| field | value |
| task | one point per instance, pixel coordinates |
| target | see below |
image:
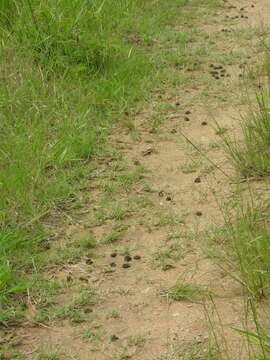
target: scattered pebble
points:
(186, 118)
(169, 198)
(177, 103)
(126, 265)
(137, 257)
(204, 123)
(197, 180)
(113, 254)
(198, 213)
(128, 258)
(188, 112)
(112, 264)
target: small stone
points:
(112, 264)
(137, 257)
(126, 266)
(113, 254)
(186, 118)
(188, 112)
(114, 338)
(197, 180)
(204, 123)
(127, 258)
(88, 310)
(198, 213)
(169, 198)
(177, 103)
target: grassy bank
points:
(69, 70)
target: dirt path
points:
(152, 202)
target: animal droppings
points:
(126, 266)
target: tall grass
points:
(250, 154)
(68, 70)
(244, 251)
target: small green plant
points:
(112, 237)
(137, 340)
(114, 314)
(48, 354)
(184, 291)
(92, 335)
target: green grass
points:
(244, 251)
(69, 71)
(183, 290)
(250, 154)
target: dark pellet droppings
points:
(188, 112)
(112, 264)
(125, 266)
(198, 213)
(177, 103)
(113, 254)
(186, 118)
(197, 180)
(169, 198)
(114, 338)
(137, 257)
(89, 261)
(88, 310)
(173, 131)
(204, 123)
(127, 258)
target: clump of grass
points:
(251, 154)
(246, 253)
(257, 339)
(184, 291)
